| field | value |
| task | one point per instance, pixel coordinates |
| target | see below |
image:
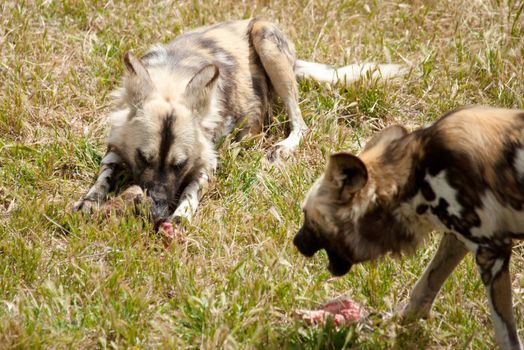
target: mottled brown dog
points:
(179, 99)
(463, 175)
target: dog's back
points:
(469, 172)
(243, 87)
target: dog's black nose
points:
(306, 242)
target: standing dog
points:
(463, 175)
(179, 99)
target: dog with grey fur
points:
(463, 175)
(179, 99)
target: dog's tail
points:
(347, 74)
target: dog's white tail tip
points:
(347, 74)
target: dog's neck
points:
(392, 174)
(392, 166)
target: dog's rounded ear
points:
(199, 90)
(138, 82)
(347, 173)
(386, 136)
(135, 67)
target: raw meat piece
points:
(341, 311)
(170, 234)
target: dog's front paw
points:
(85, 206)
(183, 213)
(409, 312)
(279, 151)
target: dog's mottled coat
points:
(179, 99)
(463, 175)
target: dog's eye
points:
(179, 166)
(141, 159)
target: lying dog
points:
(463, 175)
(179, 99)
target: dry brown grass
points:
(66, 281)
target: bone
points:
(131, 197)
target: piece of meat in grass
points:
(341, 311)
(170, 233)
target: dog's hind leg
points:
(493, 265)
(278, 57)
(449, 254)
(109, 166)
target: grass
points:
(68, 281)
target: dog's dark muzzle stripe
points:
(306, 242)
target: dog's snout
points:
(157, 193)
(159, 202)
(159, 212)
(306, 242)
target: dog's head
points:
(158, 134)
(342, 210)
